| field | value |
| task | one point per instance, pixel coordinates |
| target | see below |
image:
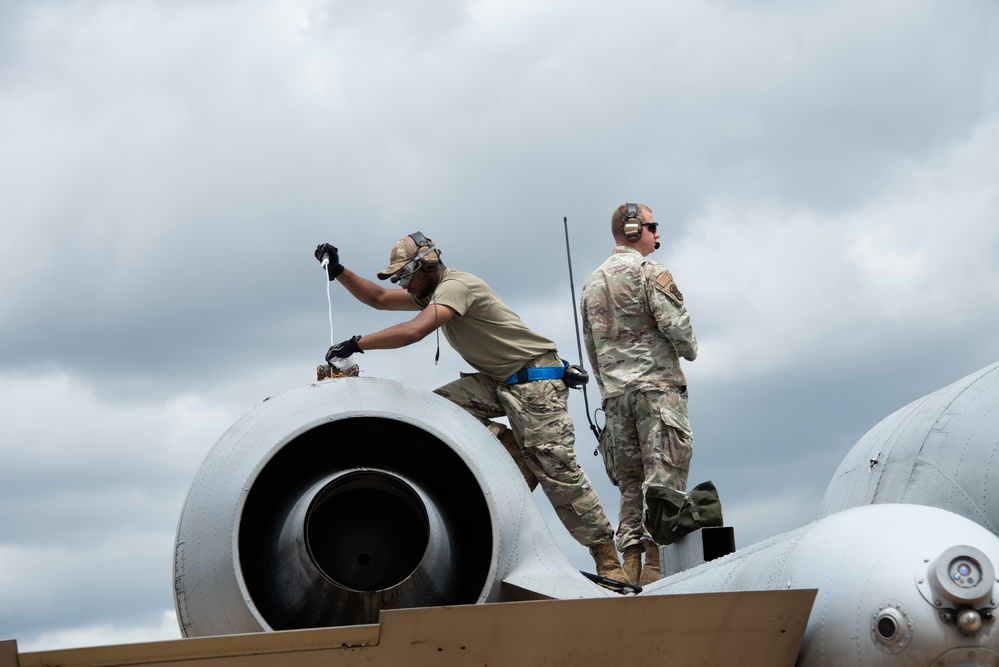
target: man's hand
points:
(333, 267)
(343, 350)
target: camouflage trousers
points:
(539, 419)
(645, 442)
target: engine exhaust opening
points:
(333, 529)
(367, 530)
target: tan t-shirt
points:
(484, 331)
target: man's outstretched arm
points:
(398, 335)
(372, 294)
(367, 292)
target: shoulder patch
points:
(664, 283)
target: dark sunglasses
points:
(653, 226)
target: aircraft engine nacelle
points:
(333, 501)
(898, 585)
(939, 450)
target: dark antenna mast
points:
(575, 321)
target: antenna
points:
(575, 321)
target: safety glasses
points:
(404, 278)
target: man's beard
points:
(427, 290)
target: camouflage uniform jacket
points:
(635, 325)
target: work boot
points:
(510, 444)
(650, 571)
(605, 556)
(633, 562)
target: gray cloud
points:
(824, 174)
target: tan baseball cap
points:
(401, 254)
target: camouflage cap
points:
(402, 253)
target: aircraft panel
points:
(750, 629)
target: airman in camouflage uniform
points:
(493, 340)
(636, 328)
(540, 425)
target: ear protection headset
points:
(424, 247)
(632, 225)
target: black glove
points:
(334, 268)
(343, 350)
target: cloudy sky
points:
(825, 173)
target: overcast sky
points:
(825, 174)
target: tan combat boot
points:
(605, 556)
(650, 571)
(633, 562)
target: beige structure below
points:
(749, 629)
